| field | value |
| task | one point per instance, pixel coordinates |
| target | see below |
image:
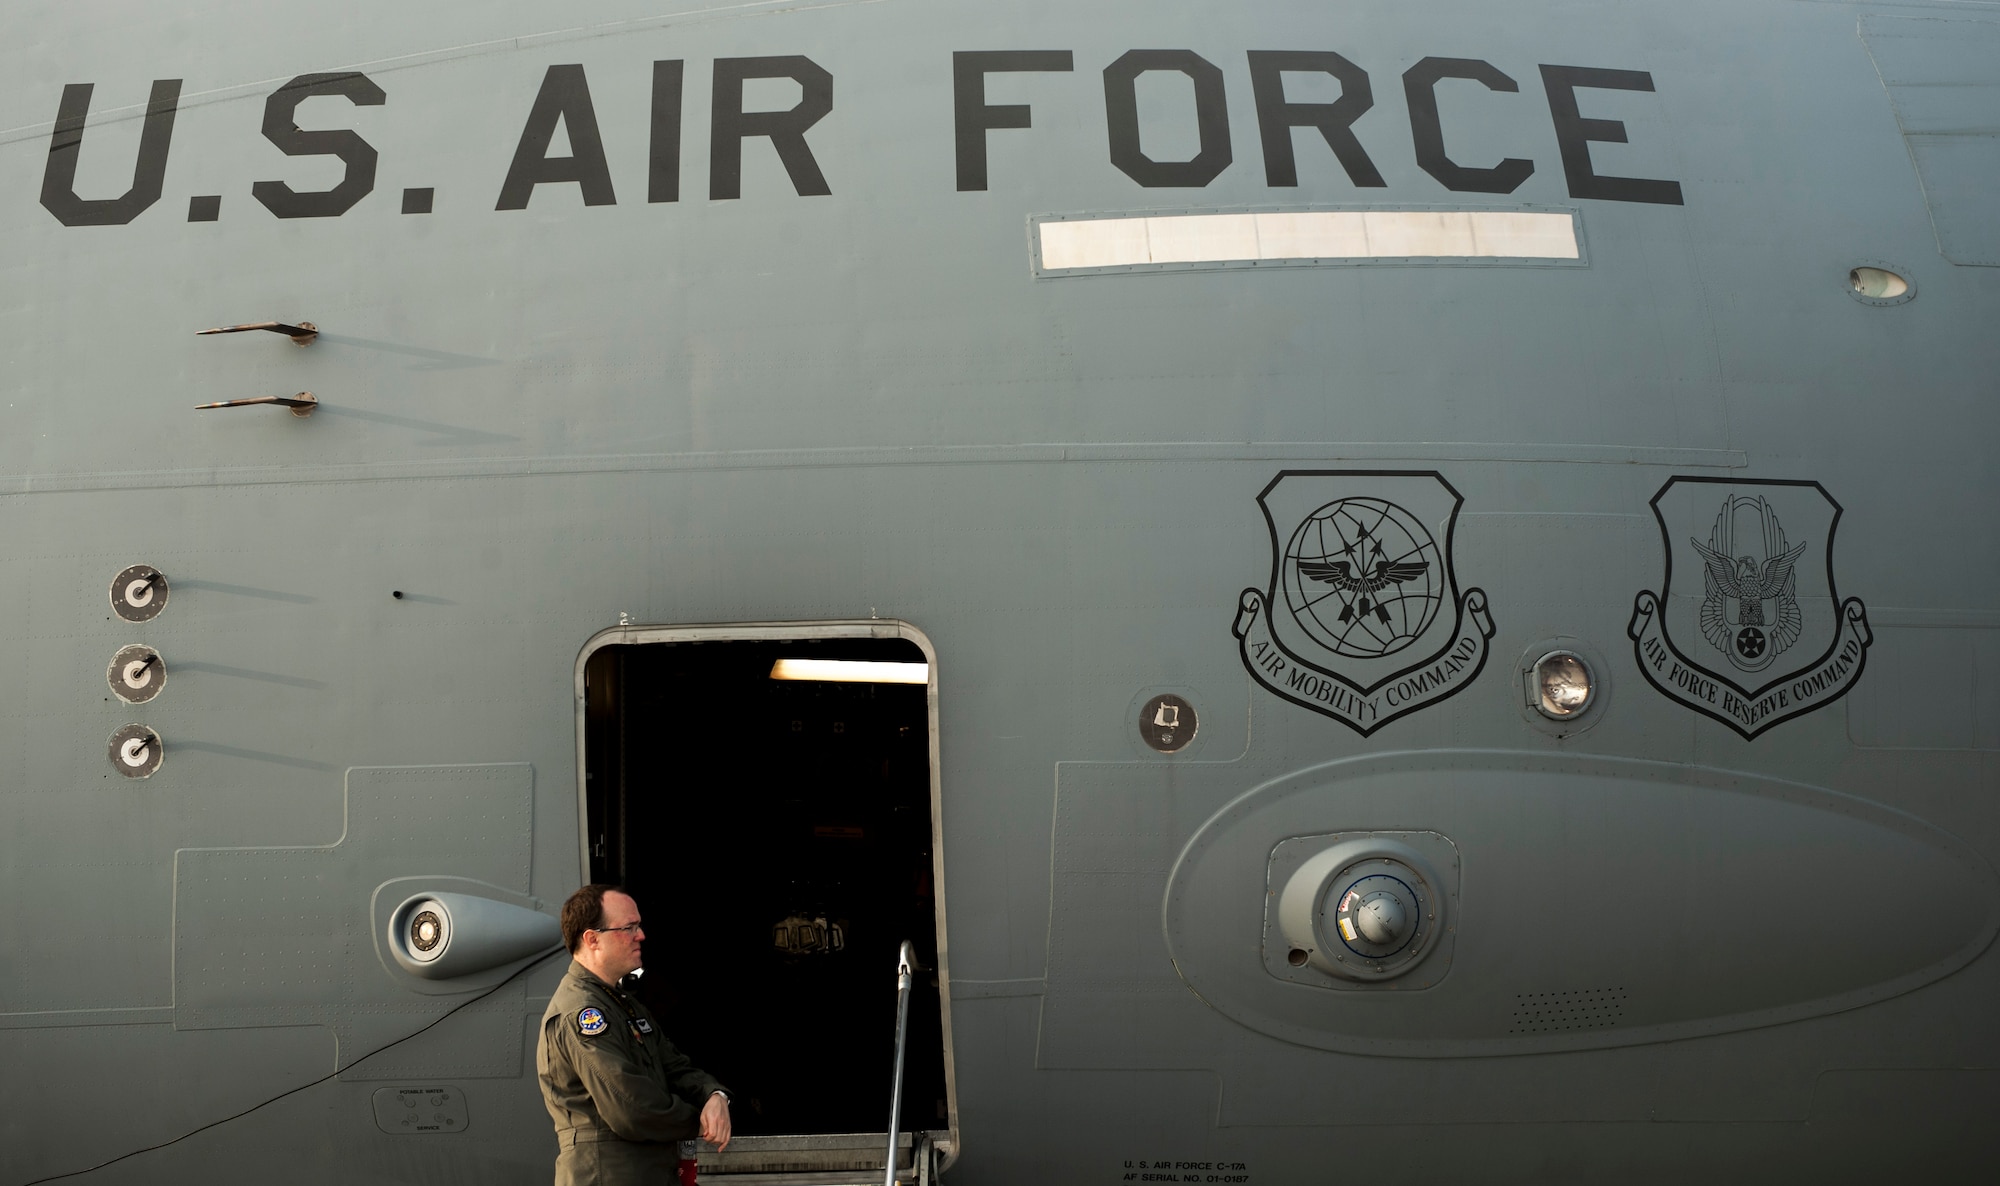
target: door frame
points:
(633, 634)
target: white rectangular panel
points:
(1321, 234)
(1199, 238)
(1099, 243)
(1408, 234)
(1309, 236)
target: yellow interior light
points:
(850, 671)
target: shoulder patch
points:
(590, 1022)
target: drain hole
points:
(1575, 1009)
(1297, 957)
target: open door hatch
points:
(778, 826)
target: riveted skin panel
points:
(285, 936)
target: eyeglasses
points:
(630, 927)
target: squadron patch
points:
(1363, 620)
(590, 1022)
(1761, 636)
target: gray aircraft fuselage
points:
(1241, 408)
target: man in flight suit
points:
(621, 1095)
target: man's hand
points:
(715, 1121)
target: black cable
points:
(337, 1072)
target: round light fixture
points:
(426, 930)
(1562, 685)
(1875, 282)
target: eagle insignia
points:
(1366, 575)
(1363, 621)
(1767, 638)
(1750, 607)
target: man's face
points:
(618, 946)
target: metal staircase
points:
(892, 1158)
(834, 1159)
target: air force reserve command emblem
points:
(1363, 620)
(1746, 627)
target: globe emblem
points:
(1363, 578)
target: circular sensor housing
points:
(1362, 910)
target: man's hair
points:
(583, 911)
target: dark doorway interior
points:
(777, 836)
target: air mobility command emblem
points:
(590, 1022)
(1363, 620)
(1747, 627)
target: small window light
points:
(1881, 283)
(1562, 685)
(1877, 284)
(847, 671)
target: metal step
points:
(824, 1159)
(828, 1178)
(922, 1175)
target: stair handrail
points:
(906, 962)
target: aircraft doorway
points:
(779, 835)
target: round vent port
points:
(136, 751)
(139, 593)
